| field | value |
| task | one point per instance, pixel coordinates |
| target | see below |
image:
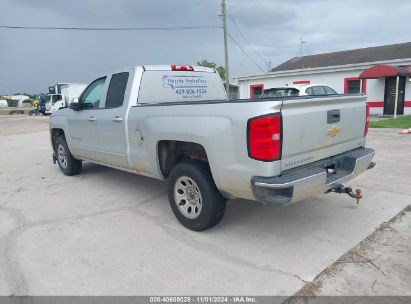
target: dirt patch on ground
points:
(378, 266)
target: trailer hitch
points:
(347, 190)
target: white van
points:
(3, 103)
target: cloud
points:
(31, 60)
(263, 15)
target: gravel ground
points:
(107, 232)
(22, 124)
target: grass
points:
(401, 122)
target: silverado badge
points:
(333, 131)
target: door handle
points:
(91, 118)
(117, 119)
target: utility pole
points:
(227, 73)
(268, 64)
(301, 47)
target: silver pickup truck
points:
(175, 123)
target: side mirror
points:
(74, 105)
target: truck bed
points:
(220, 126)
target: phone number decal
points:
(191, 91)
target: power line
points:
(171, 28)
(190, 2)
(239, 59)
(245, 39)
(245, 53)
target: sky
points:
(266, 30)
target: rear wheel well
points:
(172, 152)
(55, 133)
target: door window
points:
(90, 99)
(116, 90)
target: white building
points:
(379, 67)
(17, 97)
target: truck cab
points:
(53, 102)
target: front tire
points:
(67, 163)
(194, 197)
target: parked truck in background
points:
(175, 123)
(54, 95)
(60, 95)
(68, 93)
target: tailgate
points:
(319, 127)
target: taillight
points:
(367, 119)
(264, 137)
(182, 68)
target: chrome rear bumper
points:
(308, 181)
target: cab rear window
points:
(180, 86)
(280, 92)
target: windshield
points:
(54, 98)
(280, 92)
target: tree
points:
(210, 64)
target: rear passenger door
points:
(111, 120)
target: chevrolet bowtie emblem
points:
(333, 131)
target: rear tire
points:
(67, 163)
(194, 197)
